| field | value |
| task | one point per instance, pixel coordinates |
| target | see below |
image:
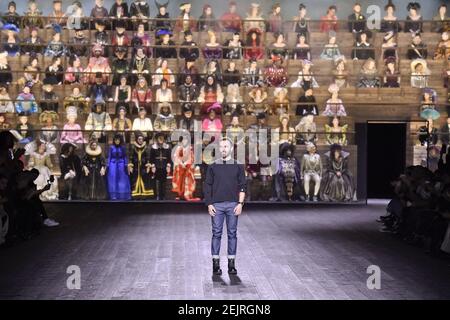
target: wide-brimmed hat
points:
(10, 27)
(415, 62)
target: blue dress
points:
(118, 180)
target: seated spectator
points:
(417, 49)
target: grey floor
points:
(155, 252)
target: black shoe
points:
(231, 268)
(216, 267)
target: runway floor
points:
(147, 251)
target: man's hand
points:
(238, 209)
(211, 210)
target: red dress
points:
(254, 52)
(183, 180)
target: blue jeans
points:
(224, 210)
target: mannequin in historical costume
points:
(72, 131)
(281, 102)
(26, 102)
(139, 169)
(48, 134)
(117, 173)
(233, 101)
(306, 130)
(231, 21)
(210, 93)
(307, 104)
(189, 48)
(279, 48)
(335, 133)
(161, 164)
(254, 49)
(337, 180)
(334, 105)
(258, 103)
(275, 74)
(188, 91)
(284, 133)
(142, 96)
(311, 169)
(254, 20)
(141, 39)
(140, 12)
(287, 176)
(163, 17)
(183, 180)
(140, 66)
(207, 21)
(212, 49)
(122, 125)
(143, 125)
(369, 75)
(442, 51)
(98, 63)
(391, 75)
(301, 22)
(185, 20)
(99, 121)
(24, 130)
(413, 22)
(234, 131)
(259, 172)
(93, 177)
(40, 160)
(56, 47)
(331, 49)
(233, 47)
(306, 79)
(420, 73)
(70, 165)
(253, 75)
(120, 66)
(165, 120)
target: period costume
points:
(183, 180)
(160, 159)
(287, 175)
(311, 169)
(165, 121)
(306, 130)
(70, 166)
(337, 181)
(99, 121)
(93, 175)
(336, 135)
(142, 184)
(276, 76)
(117, 176)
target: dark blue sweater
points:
(223, 182)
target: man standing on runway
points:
(224, 193)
